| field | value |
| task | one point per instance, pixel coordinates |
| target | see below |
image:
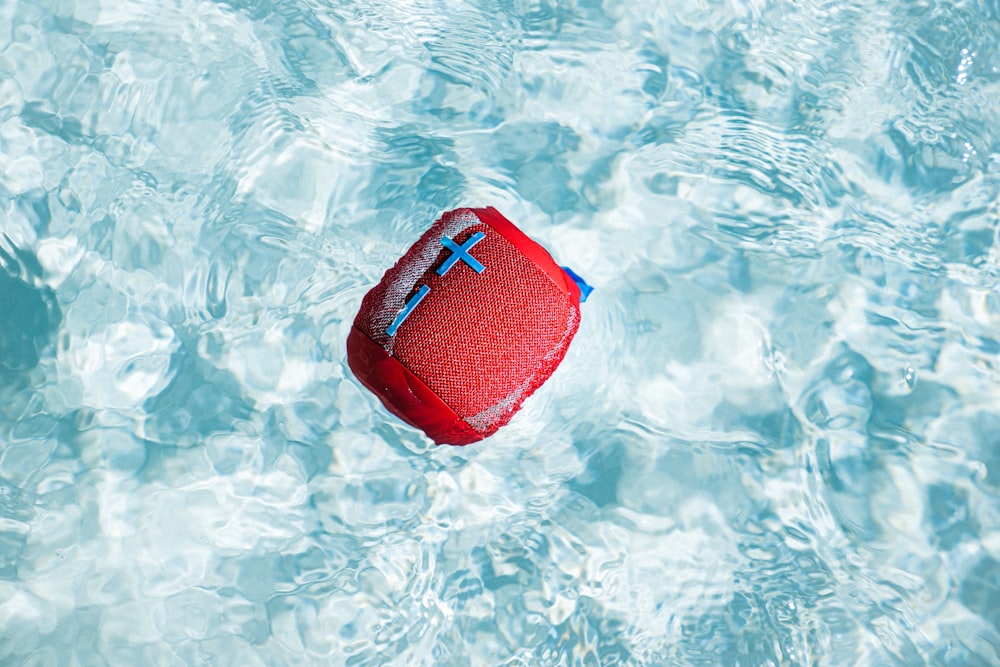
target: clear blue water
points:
(775, 440)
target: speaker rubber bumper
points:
(404, 394)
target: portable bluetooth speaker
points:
(467, 324)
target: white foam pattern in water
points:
(773, 441)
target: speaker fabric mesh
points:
(476, 315)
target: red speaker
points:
(471, 320)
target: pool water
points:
(774, 441)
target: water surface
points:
(773, 442)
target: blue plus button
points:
(461, 252)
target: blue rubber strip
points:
(585, 289)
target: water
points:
(773, 442)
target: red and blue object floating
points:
(470, 321)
